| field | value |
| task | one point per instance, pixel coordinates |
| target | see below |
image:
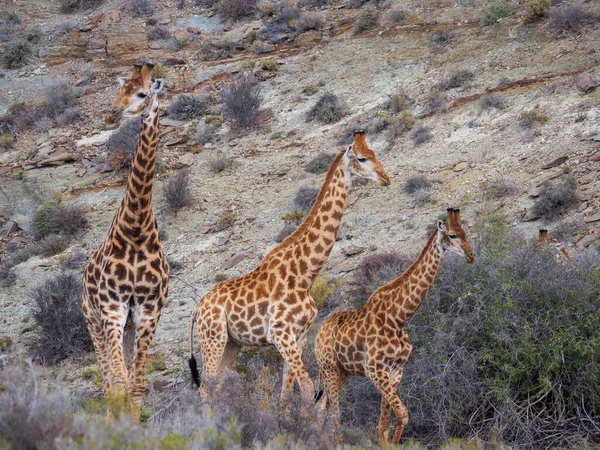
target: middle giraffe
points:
(272, 304)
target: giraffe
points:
(561, 253)
(372, 341)
(272, 304)
(126, 279)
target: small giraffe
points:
(372, 341)
(272, 304)
(561, 253)
(127, 278)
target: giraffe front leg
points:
(114, 326)
(388, 390)
(101, 348)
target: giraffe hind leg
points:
(101, 348)
(213, 338)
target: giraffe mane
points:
(308, 220)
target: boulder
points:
(585, 82)
(461, 166)
(308, 39)
(115, 17)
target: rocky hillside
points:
(486, 110)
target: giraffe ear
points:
(122, 80)
(441, 226)
(350, 151)
(157, 85)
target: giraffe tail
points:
(192, 361)
(320, 392)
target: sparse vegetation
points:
(421, 135)
(397, 102)
(305, 198)
(499, 188)
(495, 12)
(439, 41)
(237, 9)
(492, 101)
(177, 191)
(556, 198)
(76, 260)
(71, 6)
(294, 218)
(284, 21)
(328, 109)
(52, 245)
(460, 78)
(533, 119)
(397, 14)
(220, 163)
(415, 183)
(186, 107)
(54, 218)
(212, 50)
(324, 288)
(535, 10)
(569, 19)
(61, 330)
(366, 20)
(7, 276)
(69, 116)
(140, 8)
(269, 65)
(16, 54)
(242, 100)
(121, 145)
(309, 21)
(400, 125)
(225, 220)
(320, 163)
(158, 33)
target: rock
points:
(105, 168)
(353, 250)
(585, 82)
(242, 37)
(193, 30)
(13, 228)
(115, 17)
(187, 159)
(181, 36)
(461, 166)
(595, 138)
(92, 23)
(23, 222)
(96, 139)
(588, 178)
(81, 172)
(127, 48)
(557, 162)
(57, 160)
(42, 139)
(586, 241)
(307, 39)
(339, 264)
(179, 141)
(594, 218)
(530, 216)
(171, 122)
(595, 157)
(342, 232)
(234, 260)
(163, 18)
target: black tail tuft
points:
(194, 369)
(318, 395)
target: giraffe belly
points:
(248, 332)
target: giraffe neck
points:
(310, 245)
(402, 297)
(135, 217)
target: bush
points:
(237, 9)
(215, 50)
(7, 276)
(220, 164)
(61, 330)
(415, 183)
(283, 23)
(186, 107)
(328, 109)
(121, 145)
(324, 289)
(305, 198)
(242, 100)
(458, 79)
(421, 135)
(64, 27)
(400, 125)
(533, 119)
(494, 13)
(499, 188)
(71, 6)
(69, 116)
(366, 20)
(140, 8)
(16, 54)
(397, 15)
(556, 198)
(52, 245)
(320, 163)
(177, 191)
(75, 261)
(374, 271)
(158, 33)
(54, 218)
(58, 99)
(535, 10)
(397, 102)
(439, 41)
(568, 19)
(492, 101)
(309, 21)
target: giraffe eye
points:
(142, 95)
(452, 236)
(362, 160)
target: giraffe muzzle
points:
(114, 116)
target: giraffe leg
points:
(284, 340)
(287, 378)
(212, 334)
(388, 390)
(114, 326)
(144, 331)
(232, 350)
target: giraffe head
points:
(137, 94)
(360, 161)
(452, 236)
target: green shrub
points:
(324, 288)
(16, 54)
(556, 198)
(366, 20)
(320, 163)
(495, 12)
(237, 9)
(54, 218)
(328, 109)
(186, 107)
(535, 10)
(458, 79)
(569, 19)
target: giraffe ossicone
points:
(272, 304)
(372, 341)
(126, 279)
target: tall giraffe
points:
(127, 278)
(561, 253)
(272, 304)
(372, 341)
